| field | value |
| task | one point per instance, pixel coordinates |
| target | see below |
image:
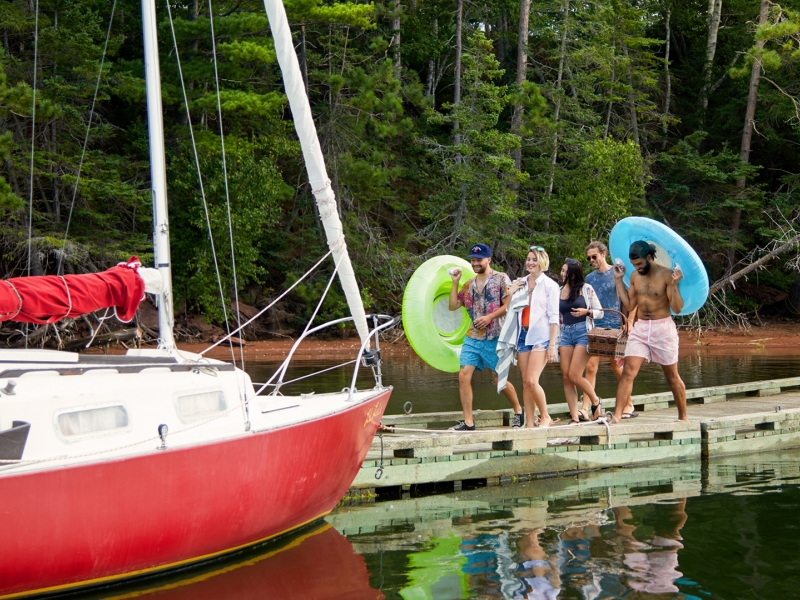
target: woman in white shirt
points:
(538, 331)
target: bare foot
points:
(545, 422)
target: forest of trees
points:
(443, 122)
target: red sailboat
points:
(120, 466)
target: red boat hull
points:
(89, 524)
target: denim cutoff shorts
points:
(523, 347)
(479, 354)
(575, 335)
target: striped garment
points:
(507, 341)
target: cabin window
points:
(80, 423)
(193, 407)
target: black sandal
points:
(597, 408)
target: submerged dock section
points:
(731, 419)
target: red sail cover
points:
(49, 298)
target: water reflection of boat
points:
(314, 565)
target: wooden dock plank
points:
(748, 420)
(642, 403)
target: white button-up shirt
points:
(544, 310)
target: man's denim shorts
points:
(574, 335)
(479, 354)
(523, 347)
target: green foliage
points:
(607, 184)
(415, 173)
(480, 158)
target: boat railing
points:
(369, 358)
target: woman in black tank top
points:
(575, 309)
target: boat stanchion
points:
(162, 433)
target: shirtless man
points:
(654, 290)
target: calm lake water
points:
(728, 530)
(430, 390)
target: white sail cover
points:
(315, 164)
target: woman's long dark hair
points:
(574, 278)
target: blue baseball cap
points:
(480, 251)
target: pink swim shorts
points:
(655, 341)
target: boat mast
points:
(158, 172)
(315, 163)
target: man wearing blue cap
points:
(486, 298)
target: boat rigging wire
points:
(310, 321)
(60, 263)
(203, 196)
(270, 305)
(33, 143)
(225, 175)
(33, 135)
(307, 376)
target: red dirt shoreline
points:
(772, 338)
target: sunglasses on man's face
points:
(593, 257)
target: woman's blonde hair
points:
(541, 256)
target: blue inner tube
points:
(670, 249)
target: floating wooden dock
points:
(553, 501)
(731, 419)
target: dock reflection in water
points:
(660, 532)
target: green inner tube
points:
(433, 330)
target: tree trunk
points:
(522, 66)
(459, 52)
(502, 34)
(459, 217)
(608, 119)
(562, 56)
(430, 88)
(794, 296)
(457, 68)
(457, 137)
(668, 82)
(193, 12)
(714, 13)
(303, 56)
(396, 39)
(632, 100)
(747, 134)
(729, 279)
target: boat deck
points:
(741, 418)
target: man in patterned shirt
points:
(486, 298)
